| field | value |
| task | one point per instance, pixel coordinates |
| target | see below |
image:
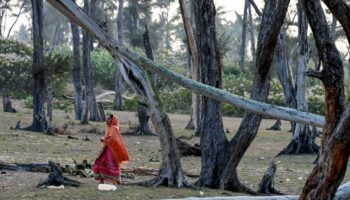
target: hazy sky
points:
(230, 6)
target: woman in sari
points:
(113, 154)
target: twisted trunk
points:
(335, 144)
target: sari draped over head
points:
(114, 141)
(113, 154)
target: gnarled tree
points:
(335, 145)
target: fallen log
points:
(74, 13)
(30, 167)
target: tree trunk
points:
(6, 104)
(170, 172)
(118, 98)
(341, 10)
(143, 128)
(94, 114)
(276, 126)
(244, 35)
(85, 112)
(192, 49)
(212, 135)
(272, 21)
(251, 33)
(332, 155)
(303, 140)
(118, 51)
(284, 73)
(335, 144)
(78, 92)
(334, 28)
(49, 99)
(39, 123)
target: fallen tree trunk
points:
(74, 13)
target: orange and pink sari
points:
(112, 156)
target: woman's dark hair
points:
(111, 116)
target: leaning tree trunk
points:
(170, 172)
(39, 123)
(78, 92)
(335, 144)
(118, 98)
(303, 140)
(272, 21)
(6, 104)
(94, 114)
(143, 128)
(244, 35)
(192, 49)
(212, 135)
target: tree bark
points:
(75, 14)
(334, 153)
(85, 112)
(192, 49)
(251, 33)
(244, 35)
(272, 21)
(284, 73)
(6, 104)
(94, 114)
(39, 70)
(49, 99)
(170, 172)
(143, 128)
(56, 178)
(78, 92)
(341, 11)
(266, 185)
(303, 140)
(212, 135)
(118, 76)
(276, 126)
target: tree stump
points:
(56, 178)
(143, 128)
(267, 182)
(276, 126)
(6, 103)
